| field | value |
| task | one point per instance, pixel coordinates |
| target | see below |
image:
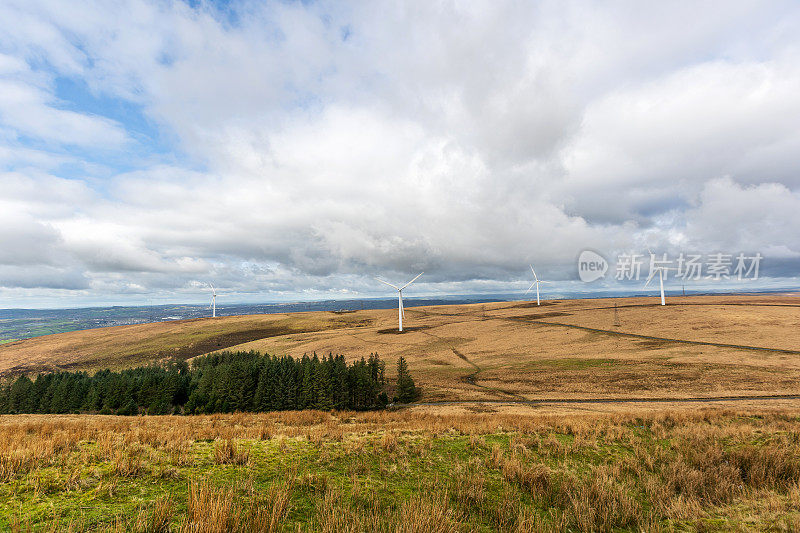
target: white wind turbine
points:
(213, 301)
(536, 282)
(660, 270)
(400, 312)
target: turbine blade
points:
(395, 287)
(529, 288)
(650, 278)
(534, 273)
(412, 281)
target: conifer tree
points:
(221, 382)
(406, 389)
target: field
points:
(582, 415)
(403, 471)
(695, 347)
(121, 347)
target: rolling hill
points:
(698, 346)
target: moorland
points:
(576, 415)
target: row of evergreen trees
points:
(217, 383)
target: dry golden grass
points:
(230, 452)
(511, 352)
(498, 351)
(474, 466)
(126, 346)
(404, 471)
(759, 320)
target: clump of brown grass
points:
(159, 519)
(314, 482)
(495, 458)
(537, 479)
(180, 453)
(594, 502)
(468, 487)
(793, 495)
(216, 510)
(230, 452)
(128, 463)
(476, 442)
(766, 465)
(333, 515)
(266, 512)
(210, 510)
(302, 418)
(15, 463)
(389, 442)
(600, 503)
(430, 514)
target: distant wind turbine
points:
(536, 282)
(213, 301)
(400, 312)
(660, 270)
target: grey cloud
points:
(42, 277)
(755, 218)
(467, 140)
(26, 242)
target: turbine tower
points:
(536, 282)
(400, 312)
(213, 301)
(660, 270)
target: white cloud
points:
(317, 143)
(756, 218)
(657, 143)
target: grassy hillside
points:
(695, 346)
(128, 346)
(700, 346)
(468, 466)
(312, 471)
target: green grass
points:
(40, 496)
(633, 474)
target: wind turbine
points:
(660, 270)
(536, 282)
(213, 301)
(400, 312)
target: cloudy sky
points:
(293, 150)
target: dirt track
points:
(557, 401)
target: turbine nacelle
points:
(400, 311)
(660, 270)
(536, 282)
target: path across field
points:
(557, 401)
